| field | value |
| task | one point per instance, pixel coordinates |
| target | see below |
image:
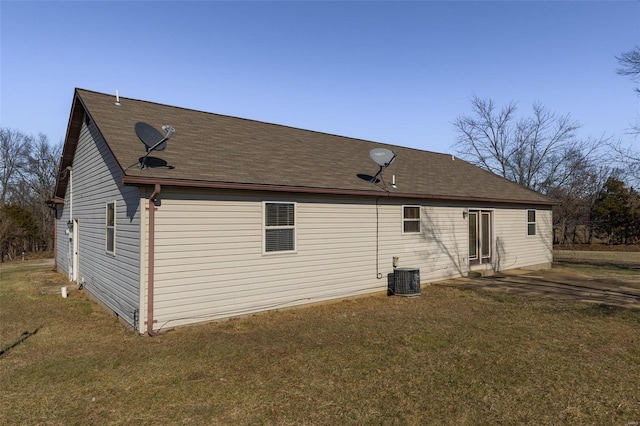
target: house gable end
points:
(79, 115)
(105, 256)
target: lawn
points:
(450, 356)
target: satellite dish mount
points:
(152, 139)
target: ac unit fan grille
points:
(406, 282)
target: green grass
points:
(447, 357)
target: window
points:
(111, 227)
(411, 219)
(531, 222)
(279, 227)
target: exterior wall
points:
(514, 248)
(62, 239)
(112, 279)
(441, 248)
(209, 260)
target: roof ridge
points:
(260, 121)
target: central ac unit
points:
(406, 282)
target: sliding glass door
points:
(480, 236)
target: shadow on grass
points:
(607, 310)
(24, 336)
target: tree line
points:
(590, 178)
(28, 170)
(542, 152)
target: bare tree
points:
(572, 222)
(540, 152)
(40, 179)
(628, 161)
(27, 179)
(14, 156)
(626, 156)
(630, 66)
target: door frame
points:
(483, 241)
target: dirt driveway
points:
(602, 284)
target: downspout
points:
(70, 169)
(150, 273)
(55, 237)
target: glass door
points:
(480, 237)
(473, 237)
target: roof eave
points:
(55, 201)
(70, 144)
(78, 113)
(178, 183)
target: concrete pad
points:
(557, 284)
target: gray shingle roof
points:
(213, 150)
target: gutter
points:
(150, 265)
(139, 180)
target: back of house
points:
(236, 216)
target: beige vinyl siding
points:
(440, 250)
(513, 247)
(210, 264)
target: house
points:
(238, 216)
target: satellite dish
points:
(152, 139)
(383, 157)
(150, 136)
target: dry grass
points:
(447, 357)
(613, 257)
(625, 248)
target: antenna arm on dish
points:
(170, 131)
(374, 178)
(384, 166)
(395, 154)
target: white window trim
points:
(106, 227)
(534, 223)
(294, 227)
(419, 219)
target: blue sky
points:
(393, 72)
